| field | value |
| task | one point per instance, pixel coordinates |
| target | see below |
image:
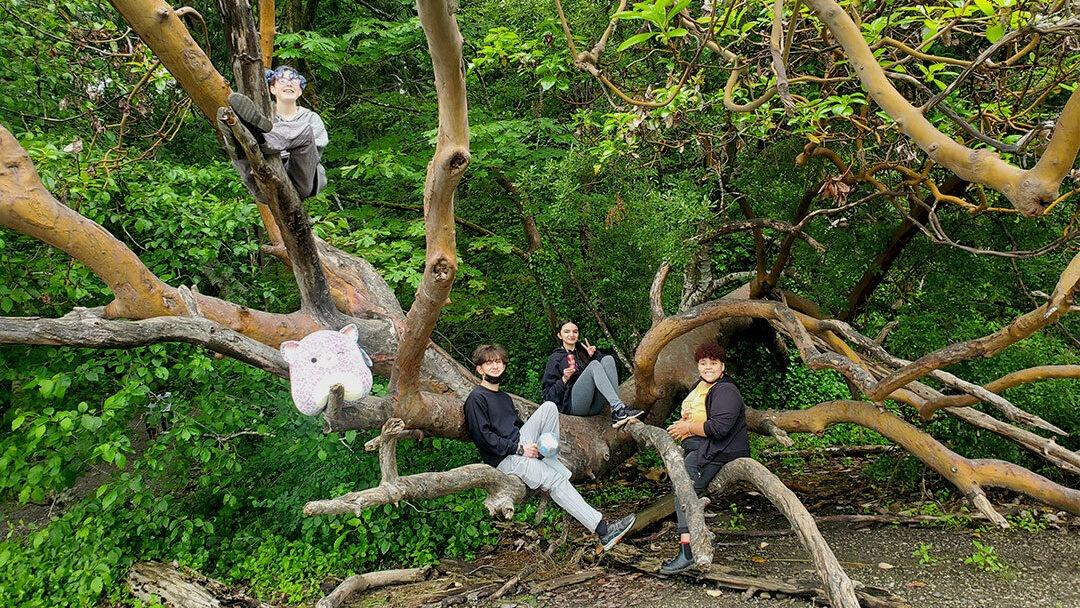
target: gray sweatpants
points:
(538, 473)
(596, 387)
(300, 155)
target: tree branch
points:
(444, 172)
(1029, 191)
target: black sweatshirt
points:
(554, 389)
(725, 426)
(492, 423)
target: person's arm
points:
(318, 129)
(552, 383)
(724, 405)
(478, 424)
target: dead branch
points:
(358, 583)
(656, 292)
(969, 476)
(838, 586)
(444, 172)
(503, 491)
(180, 587)
(86, 328)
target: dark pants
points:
(301, 162)
(701, 473)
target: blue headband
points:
(282, 71)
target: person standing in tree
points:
(296, 133)
(581, 380)
(510, 445)
(713, 433)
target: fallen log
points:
(179, 587)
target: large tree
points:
(824, 44)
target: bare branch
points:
(444, 172)
(656, 292)
(838, 586)
(86, 328)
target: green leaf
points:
(18, 421)
(985, 7)
(635, 39)
(995, 32)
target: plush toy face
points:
(321, 360)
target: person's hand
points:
(589, 348)
(569, 371)
(530, 450)
(680, 430)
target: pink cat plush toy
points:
(322, 359)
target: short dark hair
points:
(710, 350)
(489, 352)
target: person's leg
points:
(536, 475)
(702, 475)
(303, 163)
(693, 468)
(544, 420)
(593, 385)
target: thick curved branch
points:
(969, 476)
(444, 172)
(838, 586)
(1024, 376)
(1022, 327)
(1029, 191)
(358, 583)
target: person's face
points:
(286, 87)
(491, 368)
(568, 334)
(710, 369)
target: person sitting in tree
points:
(296, 133)
(713, 432)
(511, 446)
(582, 380)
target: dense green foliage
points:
(205, 461)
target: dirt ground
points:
(1037, 561)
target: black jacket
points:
(493, 424)
(726, 436)
(553, 387)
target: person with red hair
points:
(713, 432)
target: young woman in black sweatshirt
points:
(581, 380)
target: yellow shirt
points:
(693, 407)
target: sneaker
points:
(250, 115)
(623, 415)
(616, 531)
(680, 563)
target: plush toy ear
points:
(367, 359)
(288, 349)
(350, 331)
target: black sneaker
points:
(616, 531)
(680, 563)
(248, 114)
(623, 415)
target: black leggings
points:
(701, 473)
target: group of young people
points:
(578, 380)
